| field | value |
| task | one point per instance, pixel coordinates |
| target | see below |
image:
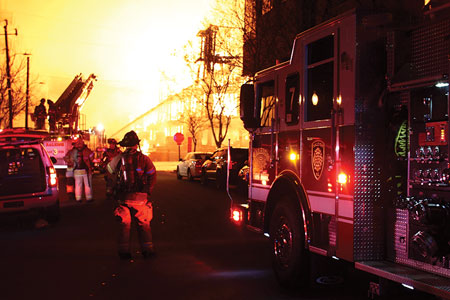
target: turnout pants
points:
(109, 186)
(139, 210)
(70, 184)
(82, 178)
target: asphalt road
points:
(200, 254)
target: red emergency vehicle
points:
(68, 106)
(349, 152)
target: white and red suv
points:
(28, 179)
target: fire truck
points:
(349, 150)
(68, 106)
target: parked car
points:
(215, 168)
(28, 179)
(191, 165)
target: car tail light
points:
(236, 216)
(198, 164)
(53, 178)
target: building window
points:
(267, 6)
(320, 70)
(266, 102)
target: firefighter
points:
(70, 181)
(82, 172)
(108, 155)
(51, 115)
(40, 113)
(135, 176)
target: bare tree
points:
(193, 113)
(218, 69)
(18, 88)
(219, 87)
(238, 19)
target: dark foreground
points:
(200, 255)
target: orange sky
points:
(126, 43)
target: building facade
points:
(272, 25)
(156, 128)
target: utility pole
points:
(208, 47)
(8, 75)
(27, 90)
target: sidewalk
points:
(161, 166)
(170, 166)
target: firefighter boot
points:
(124, 255)
(149, 252)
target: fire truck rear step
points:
(423, 281)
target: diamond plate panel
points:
(430, 46)
(368, 225)
(401, 234)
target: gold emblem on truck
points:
(317, 158)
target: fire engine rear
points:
(349, 152)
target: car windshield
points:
(239, 154)
(21, 171)
(202, 156)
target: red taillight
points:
(342, 178)
(53, 177)
(198, 164)
(236, 215)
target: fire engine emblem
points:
(261, 160)
(317, 157)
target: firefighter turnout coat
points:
(134, 177)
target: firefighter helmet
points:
(112, 141)
(130, 139)
(79, 143)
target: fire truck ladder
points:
(72, 100)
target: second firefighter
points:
(135, 177)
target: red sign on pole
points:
(178, 138)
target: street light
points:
(100, 127)
(100, 130)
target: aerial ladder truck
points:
(68, 107)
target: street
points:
(200, 254)
(328, 119)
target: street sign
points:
(178, 138)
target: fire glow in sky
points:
(126, 43)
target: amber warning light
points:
(443, 134)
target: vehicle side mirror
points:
(53, 159)
(247, 107)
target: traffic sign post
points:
(178, 138)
